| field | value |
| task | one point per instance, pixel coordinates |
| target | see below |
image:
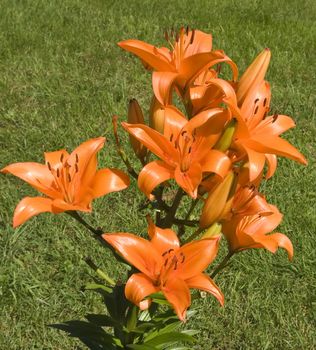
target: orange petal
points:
(256, 163)
(204, 282)
(265, 224)
(162, 239)
(275, 125)
(56, 158)
(137, 288)
(35, 174)
(198, 255)
(272, 164)
(109, 180)
(29, 207)
(153, 56)
(60, 206)
(137, 251)
(202, 42)
(278, 146)
(216, 162)
(177, 293)
(192, 66)
(253, 74)
(152, 175)
(162, 85)
(85, 156)
(189, 180)
(153, 140)
(273, 242)
(174, 123)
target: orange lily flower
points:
(245, 232)
(165, 266)
(191, 53)
(70, 181)
(185, 149)
(257, 135)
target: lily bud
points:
(253, 75)
(216, 201)
(226, 139)
(135, 116)
(214, 230)
(157, 115)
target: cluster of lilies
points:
(218, 149)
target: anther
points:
(62, 157)
(171, 137)
(69, 178)
(187, 30)
(166, 252)
(256, 100)
(264, 102)
(192, 36)
(77, 158)
(256, 110)
(275, 117)
(183, 132)
(166, 262)
(49, 167)
(57, 172)
(170, 250)
(76, 167)
(190, 149)
(175, 264)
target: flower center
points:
(64, 175)
(172, 261)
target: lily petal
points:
(109, 180)
(29, 207)
(153, 140)
(162, 239)
(174, 123)
(35, 174)
(177, 293)
(56, 158)
(256, 163)
(278, 146)
(150, 54)
(204, 282)
(216, 162)
(272, 162)
(189, 180)
(137, 251)
(137, 288)
(162, 85)
(198, 255)
(152, 175)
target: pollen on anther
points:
(49, 166)
(62, 157)
(77, 158)
(192, 36)
(76, 167)
(57, 172)
(69, 178)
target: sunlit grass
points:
(62, 77)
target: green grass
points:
(62, 77)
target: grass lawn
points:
(62, 77)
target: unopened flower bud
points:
(216, 201)
(157, 115)
(226, 139)
(212, 231)
(135, 116)
(253, 75)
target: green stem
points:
(193, 236)
(222, 264)
(99, 272)
(192, 207)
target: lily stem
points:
(222, 264)
(193, 236)
(96, 232)
(169, 218)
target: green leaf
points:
(166, 329)
(103, 320)
(167, 338)
(94, 286)
(141, 347)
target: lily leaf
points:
(171, 337)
